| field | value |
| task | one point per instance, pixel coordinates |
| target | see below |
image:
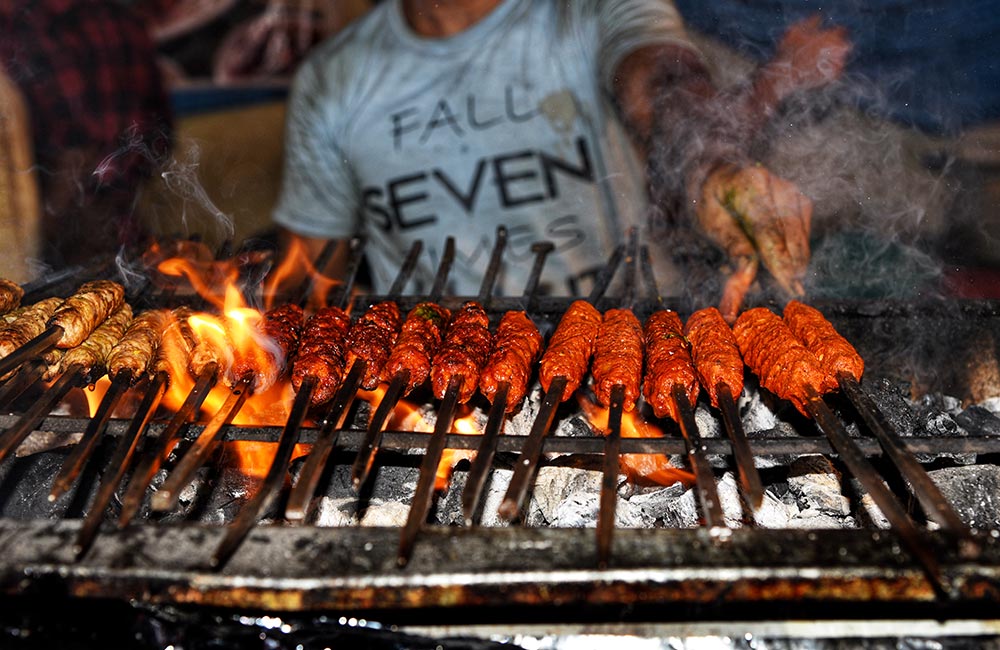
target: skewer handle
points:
(708, 493)
(749, 476)
(373, 436)
(609, 481)
(14, 436)
(31, 349)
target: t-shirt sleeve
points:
(624, 26)
(319, 196)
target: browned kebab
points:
(86, 359)
(561, 371)
(278, 337)
(717, 360)
(408, 366)
(176, 345)
(369, 342)
(323, 353)
(839, 358)
(517, 344)
(788, 369)
(455, 369)
(10, 295)
(136, 355)
(670, 387)
(28, 324)
(128, 360)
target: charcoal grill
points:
(553, 574)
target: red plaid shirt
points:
(87, 71)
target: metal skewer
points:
(25, 377)
(77, 458)
(373, 436)
(609, 480)
(934, 503)
(428, 468)
(298, 501)
(31, 349)
(150, 463)
(14, 436)
(250, 512)
(852, 456)
(708, 494)
(166, 497)
(531, 451)
(748, 474)
(119, 463)
(480, 469)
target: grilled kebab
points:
(93, 352)
(618, 357)
(371, 338)
(570, 348)
(668, 364)
(516, 346)
(83, 311)
(322, 353)
(10, 295)
(279, 339)
(714, 352)
(418, 340)
(136, 350)
(463, 352)
(832, 350)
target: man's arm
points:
(697, 138)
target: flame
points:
(643, 469)
(295, 265)
(451, 457)
(95, 394)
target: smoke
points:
(880, 210)
(180, 176)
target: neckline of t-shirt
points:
(448, 44)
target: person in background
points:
(100, 119)
(425, 120)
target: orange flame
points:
(295, 266)
(642, 469)
(451, 457)
(95, 394)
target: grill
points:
(519, 573)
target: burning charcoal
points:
(869, 509)
(334, 512)
(896, 409)
(39, 441)
(974, 492)
(773, 512)
(389, 513)
(684, 512)
(730, 500)
(754, 413)
(815, 483)
(656, 505)
(554, 485)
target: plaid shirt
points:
(87, 71)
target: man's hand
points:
(808, 56)
(756, 216)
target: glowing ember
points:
(642, 469)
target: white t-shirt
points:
(400, 137)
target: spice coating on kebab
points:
(371, 338)
(418, 339)
(714, 352)
(668, 364)
(93, 353)
(618, 357)
(10, 295)
(570, 348)
(177, 342)
(135, 352)
(785, 367)
(322, 353)
(280, 332)
(516, 346)
(82, 312)
(28, 325)
(835, 354)
(463, 352)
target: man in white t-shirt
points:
(425, 120)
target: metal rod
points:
(708, 493)
(541, 250)
(441, 278)
(934, 503)
(151, 461)
(631, 259)
(493, 268)
(24, 378)
(250, 512)
(870, 480)
(343, 291)
(77, 458)
(298, 501)
(119, 463)
(609, 481)
(319, 265)
(406, 270)
(14, 436)
(749, 476)
(31, 349)
(648, 276)
(603, 278)
(373, 436)
(424, 493)
(480, 469)
(527, 462)
(166, 497)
